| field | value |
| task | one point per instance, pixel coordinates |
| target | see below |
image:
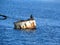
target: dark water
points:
(47, 16)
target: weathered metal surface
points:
(27, 24)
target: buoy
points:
(25, 24)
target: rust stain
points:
(30, 24)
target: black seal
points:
(3, 17)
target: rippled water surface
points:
(47, 16)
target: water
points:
(47, 16)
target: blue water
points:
(47, 16)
